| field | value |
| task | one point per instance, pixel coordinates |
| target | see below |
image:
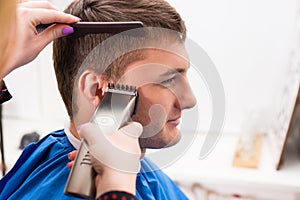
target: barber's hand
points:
(27, 42)
(115, 157)
(119, 151)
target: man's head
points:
(157, 98)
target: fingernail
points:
(79, 127)
(67, 30)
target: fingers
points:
(119, 151)
(71, 156)
(47, 16)
(31, 14)
(133, 129)
(70, 164)
(51, 33)
(91, 133)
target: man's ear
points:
(91, 85)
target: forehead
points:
(160, 61)
(157, 66)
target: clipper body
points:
(116, 108)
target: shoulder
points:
(41, 163)
(149, 169)
(56, 138)
(153, 183)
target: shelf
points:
(216, 172)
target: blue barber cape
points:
(41, 173)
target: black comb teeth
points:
(121, 87)
(111, 85)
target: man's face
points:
(164, 92)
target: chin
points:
(174, 141)
(163, 139)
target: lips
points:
(174, 122)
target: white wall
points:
(250, 42)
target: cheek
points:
(154, 105)
(148, 97)
(141, 114)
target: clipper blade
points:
(121, 89)
(116, 107)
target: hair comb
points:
(83, 28)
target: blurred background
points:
(253, 44)
(250, 42)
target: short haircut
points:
(70, 52)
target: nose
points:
(186, 98)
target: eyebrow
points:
(173, 71)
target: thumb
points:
(90, 133)
(133, 129)
(53, 32)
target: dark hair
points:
(70, 52)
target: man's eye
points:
(168, 81)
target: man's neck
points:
(73, 130)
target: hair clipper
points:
(116, 108)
